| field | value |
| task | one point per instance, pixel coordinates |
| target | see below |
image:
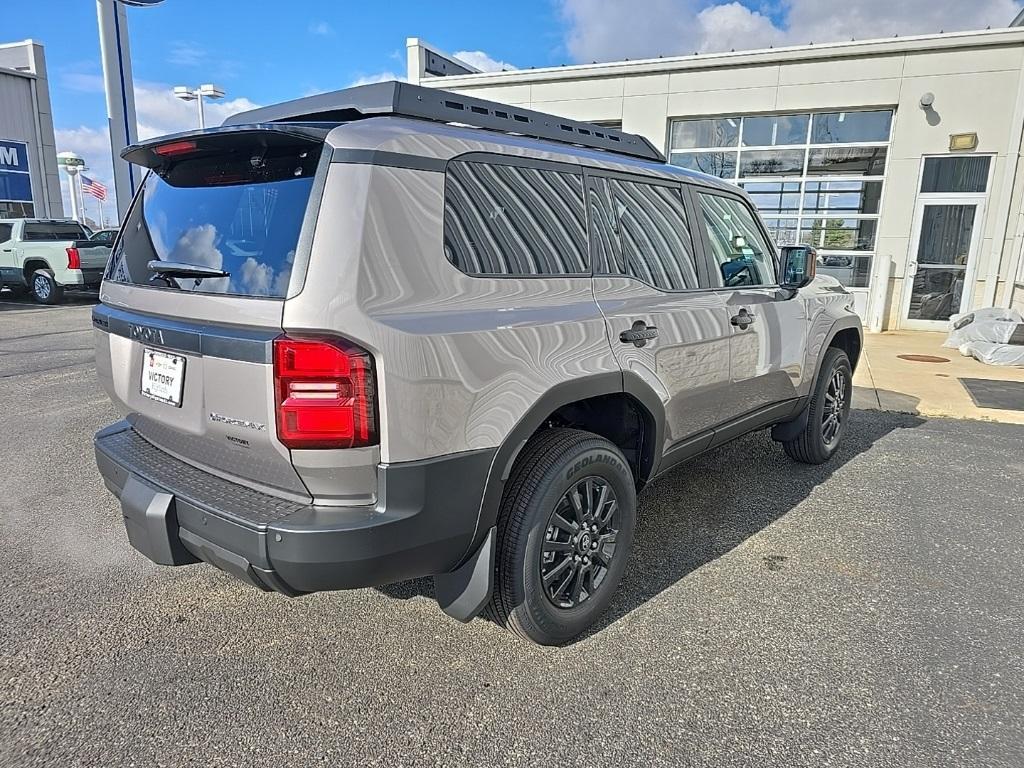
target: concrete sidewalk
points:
(886, 382)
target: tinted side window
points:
(654, 233)
(514, 220)
(5, 232)
(742, 254)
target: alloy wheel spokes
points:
(579, 542)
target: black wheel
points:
(828, 412)
(565, 529)
(44, 288)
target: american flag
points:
(94, 188)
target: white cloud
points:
(158, 112)
(608, 30)
(256, 277)
(198, 245)
(186, 54)
(482, 61)
(379, 77)
(321, 29)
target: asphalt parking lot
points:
(865, 613)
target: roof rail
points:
(406, 100)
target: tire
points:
(44, 288)
(556, 468)
(822, 434)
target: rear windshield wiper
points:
(179, 269)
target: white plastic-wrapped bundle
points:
(993, 336)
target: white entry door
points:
(940, 273)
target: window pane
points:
(654, 234)
(772, 162)
(839, 234)
(847, 161)
(53, 231)
(699, 134)
(705, 134)
(775, 130)
(743, 256)
(15, 187)
(851, 269)
(5, 232)
(720, 164)
(850, 127)
(782, 231)
(955, 174)
(774, 196)
(842, 196)
(510, 220)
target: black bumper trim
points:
(422, 524)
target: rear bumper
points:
(422, 525)
(81, 278)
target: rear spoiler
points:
(163, 150)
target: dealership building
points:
(29, 180)
(898, 159)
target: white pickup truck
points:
(46, 257)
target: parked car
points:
(394, 332)
(104, 236)
(45, 257)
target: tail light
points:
(326, 394)
(74, 262)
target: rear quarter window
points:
(510, 220)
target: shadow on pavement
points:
(712, 504)
(12, 303)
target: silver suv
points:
(393, 332)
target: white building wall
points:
(976, 79)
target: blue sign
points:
(13, 156)
(15, 181)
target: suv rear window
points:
(55, 231)
(239, 211)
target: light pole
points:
(207, 90)
(117, 79)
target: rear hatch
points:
(194, 291)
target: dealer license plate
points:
(163, 376)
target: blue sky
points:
(262, 52)
(273, 51)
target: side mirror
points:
(798, 267)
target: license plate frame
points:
(165, 364)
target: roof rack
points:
(404, 99)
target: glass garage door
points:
(817, 178)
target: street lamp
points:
(208, 90)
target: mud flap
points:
(791, 430)
(152, 523)
(463, 593)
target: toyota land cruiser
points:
(394, 332)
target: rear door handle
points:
(742, 319)
(639, 334)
